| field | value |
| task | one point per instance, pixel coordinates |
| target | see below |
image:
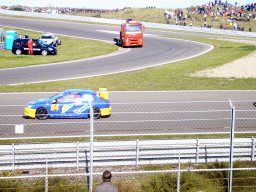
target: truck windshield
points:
(133, 28)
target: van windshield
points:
(133, 28)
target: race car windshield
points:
(46, 37)
(133, 28)
(56, 96)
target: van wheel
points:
(18, 52)
(44, 52)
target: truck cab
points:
(131, 34)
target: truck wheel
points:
(44, 52)
(18, 52)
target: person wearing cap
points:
(106, 185)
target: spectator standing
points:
(106, 185)
(235, 26)
(191, 24)
(30, 47)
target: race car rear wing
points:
(103, 93)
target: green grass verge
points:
(136, 14)
(173, 76)
(71, 49)
(210, 181)
(157, 16)
(82, 139)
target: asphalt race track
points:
(138, 113)
(155, 51)
(134, 113)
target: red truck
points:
(131, 34)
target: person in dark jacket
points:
(106, 185)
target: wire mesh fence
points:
(148, 118)
(136, 164)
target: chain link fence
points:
(148, 146)
(127, 119)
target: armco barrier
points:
(123, 153)
(116, 21)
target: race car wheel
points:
(44, 52)
(18, 52)
(42, 113)
(107, 116)
(96, 113)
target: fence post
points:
(13, 158)
(253, 147)
(137, 152)
(205, 148)
(197, 150)
(178, 179)
(91, 148)
(231, 146)
(77, 155)
(46, 177)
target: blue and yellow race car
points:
(72, 103)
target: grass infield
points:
(173, 76)
(70, 49)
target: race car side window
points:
(87, 98)
(69, 98)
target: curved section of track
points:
(156, 51)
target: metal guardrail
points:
(114, 153)
(116, 21)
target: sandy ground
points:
(244, 67)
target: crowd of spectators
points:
(213, 13)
